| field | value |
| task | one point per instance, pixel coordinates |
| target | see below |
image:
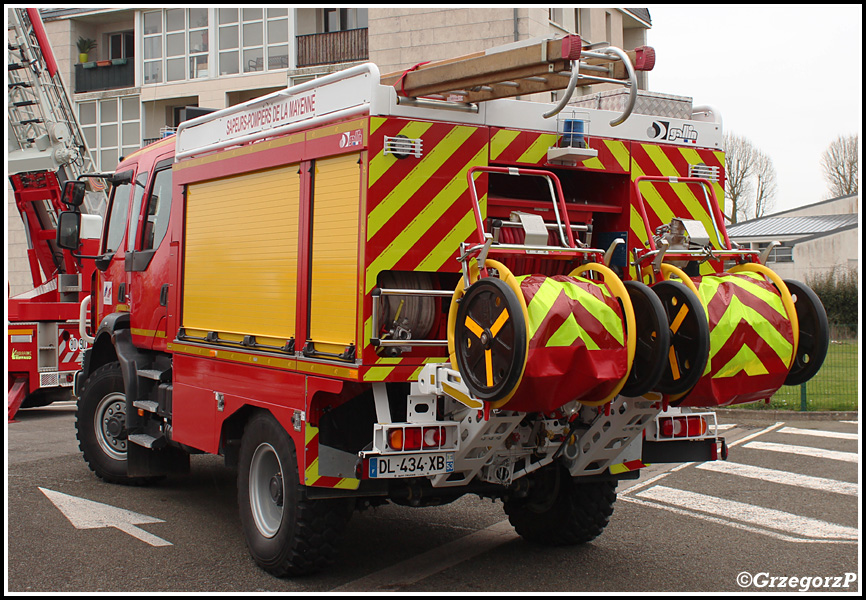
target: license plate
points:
(411, 465)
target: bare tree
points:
(739, 167)
(840, 165)
(765, 184)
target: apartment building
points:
(153, 67)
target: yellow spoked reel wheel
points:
(616, 286)
(690, 336)
(787, 300)
(487, 314)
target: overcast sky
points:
(787, 77)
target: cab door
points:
(149, 256)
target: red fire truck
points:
(46, 148)
(409, 287)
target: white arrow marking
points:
(87, 514)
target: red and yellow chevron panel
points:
(751, 340)
(511, 147)
(629, 465)
(577, 346)
(664, 201)
(419, 208)
(311, 462)
(520, 147)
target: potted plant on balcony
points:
(85, 45)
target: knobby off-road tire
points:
(286, 533)
(100, 422)
(562, 511)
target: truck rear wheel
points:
(101, 426)
(562, 511)
(286, 533)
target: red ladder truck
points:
(46, 149)
(410, 287)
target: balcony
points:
(331, 48)
(104, 75)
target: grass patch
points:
(834, 387)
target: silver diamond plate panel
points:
(647, 103)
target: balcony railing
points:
(331, 48)
(104, 75)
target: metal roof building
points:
(776, 227)
(816, 239)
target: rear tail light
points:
(416, 438)
(682, 427)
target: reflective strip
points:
(737, 312)
(420, 175)
(568, 333)
(380, 163)
(420, 226)
(311, 459)
(606, 315)
(631, 465)
(500, 141)
(542, 303)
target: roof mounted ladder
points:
(531, 67)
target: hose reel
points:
(533, 343)
(762, 333)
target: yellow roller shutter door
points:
(334, 253)
(241, 266)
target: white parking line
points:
(819, 433)
(734, 524)
(783, 477)
(778, 520)
(804, 451)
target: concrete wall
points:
(402, 37)
(826, 254)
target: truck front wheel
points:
(560, 510)
(101, 426)
(286, 533)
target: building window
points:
(175, 45)
(121, 45)
(112, 128)
(779, 254)
(253, 39)
(555, 15)
(343, 19)
(608, 27)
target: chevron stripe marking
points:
(745, 360)
(500, 141)
(311, 473)
(538, 149)
(447, 248)
(620, 152)
(417, 177)
(380, 163)
(419, 228)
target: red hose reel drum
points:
(534, 343)
(754, 334)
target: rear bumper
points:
(679, 451)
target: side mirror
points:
(69, 230)
(121, 178)
(73, 193)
